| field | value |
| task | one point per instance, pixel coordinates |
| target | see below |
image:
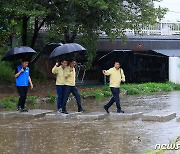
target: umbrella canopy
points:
(18, 53)
(66, 49)
(46, 51)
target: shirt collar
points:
(116, 69)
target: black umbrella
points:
(66, 49)
(22, 52)
(46, 51)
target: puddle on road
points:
(42, 136)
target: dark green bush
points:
(37, 73)
(9, 103)
(6, 72)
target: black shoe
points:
(25, 110)
(20, 110)
(121, 111)
(64, 112)
(80, 110)
(106, 108)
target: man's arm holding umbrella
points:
(107, 72)
(29, 78)
(54, 69)
(18, 73)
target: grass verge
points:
(104, 91)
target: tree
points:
(31, 15)
(86, 18)
(78, 19)
(7, 29)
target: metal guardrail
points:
(80, 67)
(163, 28)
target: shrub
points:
(6, 73)
(33, 99)
(99, 94)
(9, 103)
(37, 73)
(177, 87)
(52, 97)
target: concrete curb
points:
(125, 116)
(159, 117)
(93, 116)
(8, 115)
(62, 116)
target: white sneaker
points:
(59, 111)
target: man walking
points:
(22, 75)
(116, 75)
(70, 86)
(58, 70)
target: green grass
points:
(99, 94)
(33, 99)
(104, 91)
(146, 88)
(52, 97)
(134, 89)
(9, 103)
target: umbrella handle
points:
(105, 55)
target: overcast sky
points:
(174, 9)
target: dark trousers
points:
(115, 98)
(22, 91)
(60, 90)
(74, 91)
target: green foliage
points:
(98, 94)
(33, 99)
(15, 14)
(9, 103)
(54, 35)
(146, 88)
(69, 19)
(3, 25)
(52, 97)
(6, 73)
(134, 89)
(89, 41)
(74, 17)
(86, 18)
(107, 93)
(175, 86)
(106, 88)
(37, 73)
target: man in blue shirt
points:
(22, 75)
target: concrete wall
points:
(174, 69)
